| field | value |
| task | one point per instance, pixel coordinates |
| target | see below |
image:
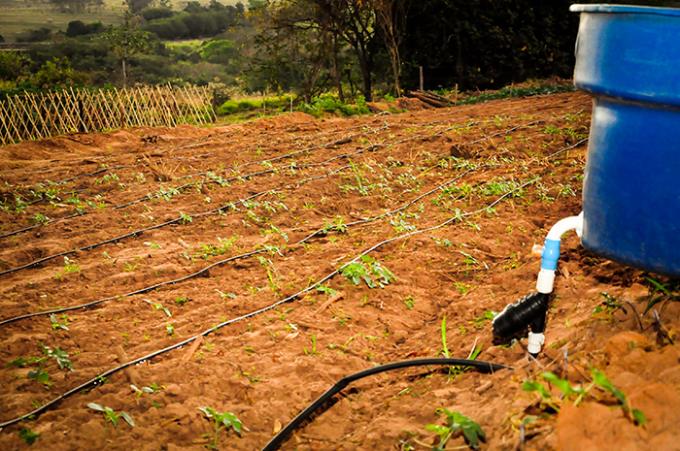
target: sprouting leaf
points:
(28, 436)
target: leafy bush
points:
(330, 103)
(250, 104)
(79, 28)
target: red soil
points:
(263, 369)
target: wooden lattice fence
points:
(31, 116)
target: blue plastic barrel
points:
(628, 57)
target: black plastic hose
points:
(280, 438)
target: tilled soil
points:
(215, 227)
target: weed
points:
(362, 185)
(56, 324)
(28, 436)
(152, 245)
(566, 190)
(366, 270)
(409, 302)
(481, 321)
(456, 423)
(271, 274)
(312, 351)
(660, 292)
(226, 420)
(184, 218)
(170, 329)
(608, 306)
(111, 415)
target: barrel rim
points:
(624, 9)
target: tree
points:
(354, 21)
(125, 41)
(391, 18)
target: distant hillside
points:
(21, 15)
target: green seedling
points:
(166, 193)
(60, 356)
(602, 382)
(108, 178)
(326, 290)
(170, 329)
(576, 393)
(40, 218)
(366, 270)
(480, 321)
(111, 415)
(461, 287)
(184, 218)
(152, 245)
(70, 267)
(409, 302)
(457, 423)
(59, 325)
(151, 389)
(181, 300)
(312, 351)
(224, 295)
(41, 376)
(336, 225)
(159, 306)
(28, 436)
(609, 305)
(268, 265)
(221, 420)
(222, 247)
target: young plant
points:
(28, 436)
(312, 351)
(185, 218)
(59, 325)
(221, 420)
(111, 415)
(366, 270)
(336, 225)
(70, 267)
(457, 423)
(60, 356)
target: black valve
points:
(528, 312)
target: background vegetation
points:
(321, 51)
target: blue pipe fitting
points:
(550, 254)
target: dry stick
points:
(179, 218)
(205, 270)
(96, 380)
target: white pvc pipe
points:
(564, 225)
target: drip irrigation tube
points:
(218, 263)
(280, 438)
(95, 380)
(246, 176)
(223, 208)
(189, 185)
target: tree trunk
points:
(336, 70)
(123, 62)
